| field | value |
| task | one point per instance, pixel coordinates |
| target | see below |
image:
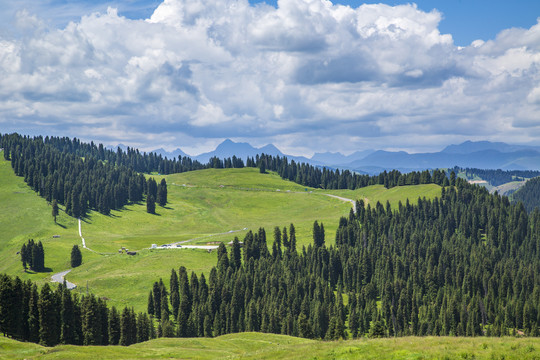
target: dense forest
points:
(498, 177)
(465, 264)
(52, 317)
(529, 194)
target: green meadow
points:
(203, 207)
(271, 346)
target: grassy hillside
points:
(24, 215)
(201, 204)
(270, 346)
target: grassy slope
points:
(25, 215)
(372, 194)
(213, 201)
(270, 346)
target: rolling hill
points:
(201, 204)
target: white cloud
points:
(308, 75)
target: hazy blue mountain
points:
(337, 158)
(242, 150)
(468, 147)
(474, 154)
(484, 159)
(170, 154)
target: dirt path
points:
(344, 199)
(59, 278)
(80, 234)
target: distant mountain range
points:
(479, 154)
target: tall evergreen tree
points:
(114, 326)
(54, 209)
(76, 256)
(49, 332)
(150, 204)
(162, 193)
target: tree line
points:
(50, 317)
(464, 264)
(326, 178)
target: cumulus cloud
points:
(308, 75)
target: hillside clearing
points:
(213, 202)
(271, 346)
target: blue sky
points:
(307, 75)
(466, 20)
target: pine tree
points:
(292, 238)
(236, 254)
(76, 256)
(175, 295)
(49, 332)
(125, 331)
(150, 204)
(54, 209)
(33, 315)
(162, 193)
(67, 319)
(114, 326)
(24, 257)
(151, 307)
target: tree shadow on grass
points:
(62, 226)
(33, 272)
(167, 207)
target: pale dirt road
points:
(344, 199)
(59, 278)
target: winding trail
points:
(344, 199)
(80, 234)
(59, 278)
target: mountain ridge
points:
(472, 154)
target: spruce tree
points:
(162, 193)
(150, 308)
(175, 295)
(49, 332)
(67, 319)
(114, 326)
(150, 204)
(76, 256)
(54, 209)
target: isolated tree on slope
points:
(54, 209)
(76, 256)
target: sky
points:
(306, 75)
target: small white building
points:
(154, 246)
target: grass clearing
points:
(271, 346)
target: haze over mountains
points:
(480, 154)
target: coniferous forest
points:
(466, 264)
(529, 194)
(50, 317)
